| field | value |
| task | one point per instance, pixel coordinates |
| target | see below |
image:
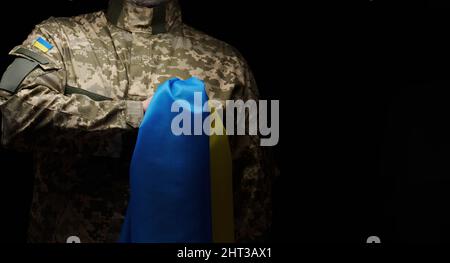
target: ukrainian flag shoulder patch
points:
(42, 44)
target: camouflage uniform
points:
(79, 113)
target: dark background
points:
(364, 112)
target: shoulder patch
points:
(42, 44)
(16, 73)
(32, 55)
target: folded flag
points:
(181, 186)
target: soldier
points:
(76, 94)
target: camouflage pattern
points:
(82, 147)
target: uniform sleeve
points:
(39, 103)
(254, 170)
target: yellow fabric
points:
(221, 185)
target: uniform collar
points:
(159, 19)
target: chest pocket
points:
(94, 72)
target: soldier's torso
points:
(86, 196)
(120, 64)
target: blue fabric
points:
(170, 199)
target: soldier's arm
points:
(254, 171)
(39, 102)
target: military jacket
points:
(79, 108)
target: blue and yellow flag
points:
(181, 186)
(42, 44)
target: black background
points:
(364, 112)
